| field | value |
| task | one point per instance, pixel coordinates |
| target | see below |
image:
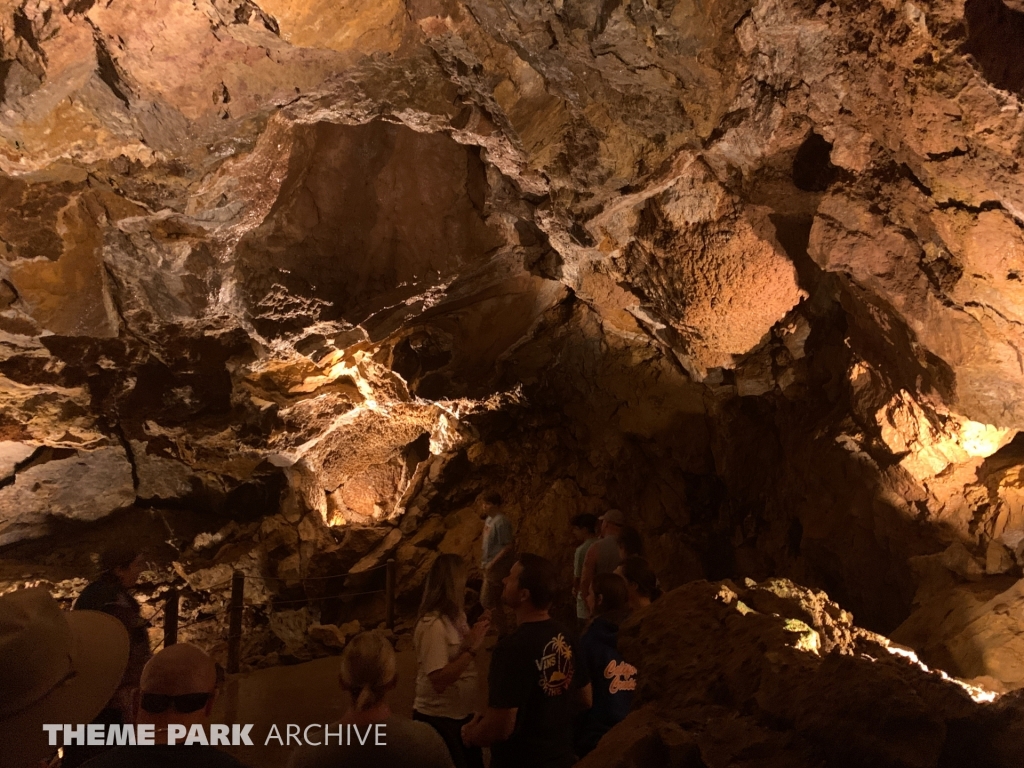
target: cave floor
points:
(304, 694)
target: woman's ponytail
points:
(368, 669)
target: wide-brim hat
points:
(613, 516)
(55, 667)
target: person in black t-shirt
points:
(535, 679)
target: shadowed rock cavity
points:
(749, 271)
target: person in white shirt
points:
(446, 649)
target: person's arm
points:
(510, 680)
(585, 696)
(589, 566)
(440, 679)
(499, 558)
(489, 728)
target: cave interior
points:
(286, 286)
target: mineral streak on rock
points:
(750, 270)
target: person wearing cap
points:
(55, 667)
(178, 687)
(497, 556)
(603, 556)
(122, 566)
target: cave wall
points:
(748, 270)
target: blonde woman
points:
(446, 649)
(368, 673)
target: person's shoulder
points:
(94, 596)
(555, 627)
(434, 622)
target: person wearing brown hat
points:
(603, 556)
(55, 667)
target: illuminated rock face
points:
(779, 674)
(751, 271)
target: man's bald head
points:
(178, 669)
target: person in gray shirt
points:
(603, 555)
(369, 735)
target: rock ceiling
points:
(763, 258)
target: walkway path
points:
(301, 694)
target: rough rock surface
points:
(749, 270)
(773, 674)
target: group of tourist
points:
(61, 670)
(552, 693)
(552, 690)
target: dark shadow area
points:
(812, 169)
(995, 38)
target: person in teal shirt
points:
(497, 557)
(584, 533)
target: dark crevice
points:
(813, 170)
(908, 174)
(604, 14)
(8, 287)
(5, 68)
(995, 39)
(79, 7)
(246, 10)
(959, 205)
(107, 69)
(23, 29)
(940, 156)
(41, 455)
(942, 269)
(118, 431)
(727, 123)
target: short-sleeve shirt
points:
(577, 571)
(607, 551)
(535, 670)
(437, 641)
(497, 536)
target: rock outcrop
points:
(773, 674)
(749, 270)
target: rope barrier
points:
(264, 579)
(271, 605)
(328, 597)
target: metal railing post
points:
(235, 620)
(171, 617)
(389, 593)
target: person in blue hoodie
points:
(613, 679)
